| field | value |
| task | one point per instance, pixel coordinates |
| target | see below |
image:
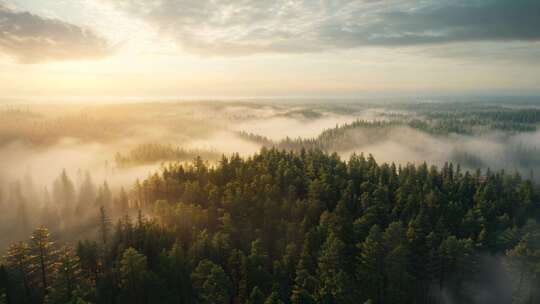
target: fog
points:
(60, 165)
(492, 283)
(41, 143)
(494, 150)
(277, 128)
(42, 140)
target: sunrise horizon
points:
(239, 49)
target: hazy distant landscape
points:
(71, 167)
(115, 141)
(269, 152)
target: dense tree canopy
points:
(291, 227)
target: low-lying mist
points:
(72, 168)
(122, 143)
(116, 145)
(496, 151)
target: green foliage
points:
(524, 262)
(155, 153)
(19, 260)
(273, 298)
(371, 263)
(211, 283)
(68, 284)
(256, 296)
(294, 227)
(44, 253)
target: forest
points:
(269, 152)
(229, 202)
(288, 227)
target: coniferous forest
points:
(294, 227)
(406, 203)
(269, 152)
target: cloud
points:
(30, 38)
(521, 52)
(239, 27)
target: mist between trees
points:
(295, 227)
(141, 205)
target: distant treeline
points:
(154, 153)
(36, 129)
(434, 122)
(339, 138)
(470, 118)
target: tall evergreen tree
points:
(256, 296)
(396, 263)
(87, 195)
(211, 283)
(335, 283)
(371, 265)
(68, 281)
(273, 298)
(104, 225)
(64, 196)
(133, 273)
(44, 253)
(19, 260)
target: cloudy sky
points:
(248, 48)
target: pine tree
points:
(4, 286)
(334, 281)
(42, 249)
(104, 196)
(122, 203)
(88, 253)
(49, 212)
(273, 298)
(457, 262)
(19, 260)
(371, 264)
(237, 265)
(180, 270)
(133, 272)
(417, 232)
(211, 283)
(64, 196)
(305, 282)
(523, 260)
(104, 225)
(396, 262)
(285, 270)
(257, 266)
(68, 279)
(87, 195)
(256, 296)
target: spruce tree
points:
(211, 283)
(44, 254)
(371, 264)
(68, 280)
(20, 261)
(133, 273)
(256, 296)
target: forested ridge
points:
(441, 122)
(153, 152)
(293, 227)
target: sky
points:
(259, 48)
